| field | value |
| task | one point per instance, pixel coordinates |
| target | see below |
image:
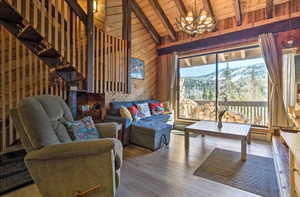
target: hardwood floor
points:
(168, 172)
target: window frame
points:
(216, 53)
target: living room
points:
(133, 98)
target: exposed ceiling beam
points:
(78, 10)
(238, 12)
(164, 19)
(269, 8)
(222, 57)
(144, 20)
(243, 54)
(187, 61)
(181, 7)
(207, 6)
(204, 59)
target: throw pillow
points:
(144, 109)
(136, 114)
(157, 108)
(167, 107)
(83, 129)
(125, 113)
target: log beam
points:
(269, 8)
(145, 21)
(238, 12)
(78, 10)
(181, 7)
(164, 19)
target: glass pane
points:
(243, 82)
(197, 94)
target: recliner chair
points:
(59, 166)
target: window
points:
(236, 80)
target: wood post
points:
(90, 47)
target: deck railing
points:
(253, 112)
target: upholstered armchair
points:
(59, 166)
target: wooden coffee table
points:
(229, 130)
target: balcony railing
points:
(250, 112)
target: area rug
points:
(256, 175)
(13, 172)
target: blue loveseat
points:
(149, 132)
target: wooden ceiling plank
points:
(269, 8)
(164, 19)
(238, 12)
(145, 21)
(181, 7)
(207, 6)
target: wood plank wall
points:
(22, 74)
(144, 48)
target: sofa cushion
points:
(151, 127)
(136, 114)
(157, 108)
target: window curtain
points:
(289, 80)
(167, 76)
(277, 113)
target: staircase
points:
(29, 35)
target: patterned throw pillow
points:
(157, 108)
(167, 107)
(125, 113)
(136, 114)
(144, 108)
(83, 129)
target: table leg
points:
(249, 138)
(186, 139)
(244, 149)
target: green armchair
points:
(62, 167)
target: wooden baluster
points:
(79, 49)
(43, 23)
(24, 68)
(62, 26)
(126, 67)
(19, 6)
(56, 25)
(118, 64)
(35, 14)
(96, 68)
(68, 34)
(102, 48)
(74, 41)
(50, 21)
(17, 70)
(10, 98)
(3, 90)
(84, 55)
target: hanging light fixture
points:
(95, 6)
(196, 22)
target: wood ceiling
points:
(221, 9)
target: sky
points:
(196, 71)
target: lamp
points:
(95, 6)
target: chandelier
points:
(196, 22)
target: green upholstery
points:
(58, 165)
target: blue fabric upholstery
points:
(124, 121)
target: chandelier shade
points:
(196, 23)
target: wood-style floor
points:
(168, 172)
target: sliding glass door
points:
(235, 80)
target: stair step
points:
(69, 74)
(52, 62)
(9, 14)
(49, 52)
(36, 47)
(30, 34)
